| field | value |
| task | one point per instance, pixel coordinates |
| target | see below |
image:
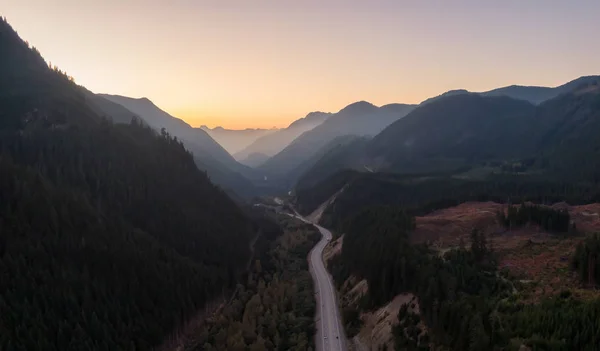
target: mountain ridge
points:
(209, 154)
(273, 143)
(359, 118)
(235, 140)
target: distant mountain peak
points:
(359, 104)
(448, 93)
(359, 107)
(315, 116)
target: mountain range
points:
(485, 134)
(360, 118)
(273, 143)
(440, 134)
(533, 94)
(234, 140)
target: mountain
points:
(474, 138)
(254, 160)
(446, 94)
(360, 118)
(109, 109)
(533, 94)
(200, 142)
(537, 95)
(236, 140)
(461, 129)
(452, 131)
(273, 143)
(111, 237)
(335, 155)
(468, 129)
(566, 134)
(209, 155)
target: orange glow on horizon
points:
(263, 64)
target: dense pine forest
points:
(465, 302)
(549, 219)
(110, 237)
(585, 261)
(275, 308)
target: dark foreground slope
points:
(110, 237)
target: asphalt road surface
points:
(330, 331)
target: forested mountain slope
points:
(468, 129)
(452, 131)
(211, 157)
(199, 139)
(566, 132)
(337, 154)
(110, 235)
(111, 110)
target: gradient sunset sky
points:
(259, 63)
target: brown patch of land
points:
(540, 259)
(444, 228)
(541, 262)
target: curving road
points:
(330, 332)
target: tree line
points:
(420, 195)
(550, 219)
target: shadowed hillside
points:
(110, 236)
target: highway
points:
(330, 332)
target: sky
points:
(264, 63)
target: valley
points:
(468, 221)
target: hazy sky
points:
(259, 63)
